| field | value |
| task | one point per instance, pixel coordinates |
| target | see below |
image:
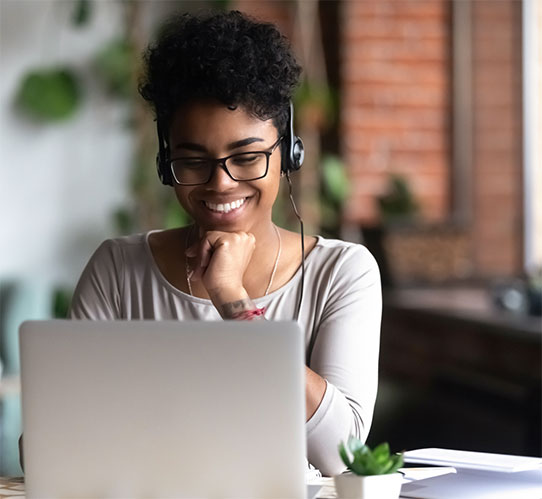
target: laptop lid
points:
(163, 409)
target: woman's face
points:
(209, 129)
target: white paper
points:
(471, 484)
(473, 460)
(411, 474)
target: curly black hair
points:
(227, 56)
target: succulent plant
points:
(367, 462)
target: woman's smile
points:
(225, 210)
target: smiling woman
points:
(221, 87)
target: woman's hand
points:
(220, 259)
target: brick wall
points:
(395, 74)
(396, 102)
(497, 230)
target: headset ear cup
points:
(162, 166)
(162, 169)
(298, 153)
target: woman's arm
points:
(315, 388)
(345, 354)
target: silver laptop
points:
(163, 409)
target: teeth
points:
(225, 208)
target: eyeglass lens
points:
(244, 166)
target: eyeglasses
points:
(243, 166)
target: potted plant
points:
(373, 473)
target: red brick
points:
(405, 8)
(396, 94)
(408, 73)
(393, 50)
(388, 119)
(360, 30)
(403, 141)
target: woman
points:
(221, 86)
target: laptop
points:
(163, 409)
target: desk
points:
(11, 487)
(14, 488)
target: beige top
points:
(340, 315)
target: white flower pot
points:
(351, 486)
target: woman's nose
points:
(220, 179)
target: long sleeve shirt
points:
(340, 315)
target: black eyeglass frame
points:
(214, 162)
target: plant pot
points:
(351, 486)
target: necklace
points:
(276, 262)
(187, 267)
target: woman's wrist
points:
(242, 310)
(235, 304)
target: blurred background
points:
(422, 124)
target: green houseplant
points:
(373, 474)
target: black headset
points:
(292, 153)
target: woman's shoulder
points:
(338, 250)
(130, 247)
(343, 265)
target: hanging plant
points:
(81, 13)
(316, 104)
(49, 94)
(335, 190)
(115, 65)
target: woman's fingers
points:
(228, 253)
(206, 252)
(203, 253)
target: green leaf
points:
(61, 302)
(398, 204)
(115, 65)
(368, 462)
(382, 452)
(82, 12)
(344, 455)
(124, 220)
(355, 444)
(336, 183)
(49, 94)
(398, 461)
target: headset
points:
(292, 154)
